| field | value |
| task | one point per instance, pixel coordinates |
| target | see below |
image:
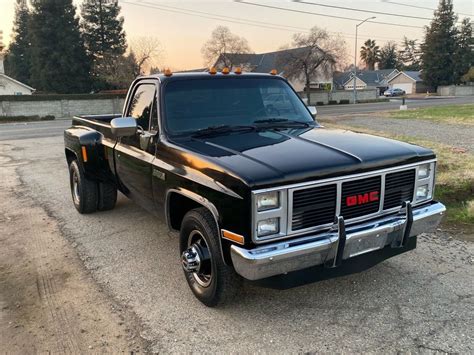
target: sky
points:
(182, 27)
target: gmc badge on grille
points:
(362, 198)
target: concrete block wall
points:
(323, 96)
(61, 108)
(455, 90)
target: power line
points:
(323, 15)
(360, 10)
(420, 7)
(231, 19)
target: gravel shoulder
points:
(49, 303)
(456, 135)
(421, 301)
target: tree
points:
(104, 37)
(388, 58)
(439, 47)
(464, 55)
(222, 43)
(146, 52)
(17, 61)
(317, 53)
(409, 56)
(369, 53)
(58, 57)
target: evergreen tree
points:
(103, 36)
(17, 61)
(58, 57)
(388, 57)
(464, 54)
(438, 61)
(409, 56)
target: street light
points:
(355, 58)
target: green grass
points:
(454, 177)
(460, 114)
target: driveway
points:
(416, 302)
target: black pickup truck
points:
(255, 186)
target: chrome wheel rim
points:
(204, 275)
(75, 188)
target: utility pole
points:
(355, 58)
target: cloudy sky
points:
(183, 26)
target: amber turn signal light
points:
(233, 237)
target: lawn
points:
(460, 114)
(454, 177)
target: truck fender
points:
(199, 200)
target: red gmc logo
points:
(362, 198)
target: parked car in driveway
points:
(252, 182)
(394, 92)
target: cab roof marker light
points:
(225, 71)
(238, 70)
(213, 71)
(168, 72)
(274, 72)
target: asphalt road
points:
(56, 128)
(421, 301)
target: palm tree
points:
(369, 53)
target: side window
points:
(141, 105)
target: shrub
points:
(344, 102)
(332, 102)
(32, 118)
(320, 103)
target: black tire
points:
(84, 192)
(223, 283)
(107, 196)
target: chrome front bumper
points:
(338, 244)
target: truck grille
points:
(360, 189)
(314, 206)
(318, 206)
(398, 188)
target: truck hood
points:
(266, 158)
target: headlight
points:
(268, 227)
(422, 192)
(268, 201)
(423, 171)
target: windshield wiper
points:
(281, 122)
(220, 129)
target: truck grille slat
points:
(316, 206)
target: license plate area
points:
(365, 244)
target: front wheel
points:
(211, 281)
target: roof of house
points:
(413, 75)
(262, 62)
(16, 82)
(370, 77)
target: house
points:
(410, 81)
(266, 62)
(10, 86)
(365, 79)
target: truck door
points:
(133, 163)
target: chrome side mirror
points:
(123, 126)
(313, 110)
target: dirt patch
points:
(48, 302)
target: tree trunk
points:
(308, 91)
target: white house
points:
(10, 86)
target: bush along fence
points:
(60, 106)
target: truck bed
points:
(100, 123)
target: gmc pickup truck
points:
(238, 164)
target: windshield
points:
(193, 105)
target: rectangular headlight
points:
(422, 192)
(268, 201)
(423, 171)
(268, 227)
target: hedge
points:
(10, 119)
